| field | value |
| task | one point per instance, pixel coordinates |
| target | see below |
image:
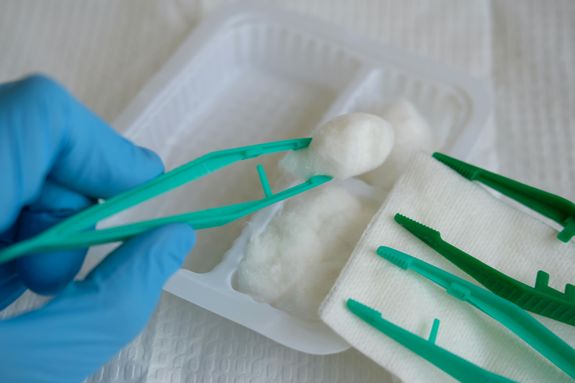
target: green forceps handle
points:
(550, 205)
(454, 365)
(75, 231)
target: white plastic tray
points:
(250, 74)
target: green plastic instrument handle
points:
(203, 219)
(550, 205)
(179, 176)
(454, 365)
(540, 299)
(70, 233)
(508, 314)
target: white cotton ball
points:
(412, 134)
(294, 262)
(343, 147)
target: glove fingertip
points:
(177, 241)
(147, 260)
(133, 166)
(163, 252)
(49, 273)
(145, 166)
(155, 162)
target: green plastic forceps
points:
(550, 205)
(505, 312)
(75, 231)
(541, 299)
(454, 365)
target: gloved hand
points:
(56, 157)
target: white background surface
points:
(105, 51)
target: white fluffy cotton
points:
(343, 147)
(294, 262)
(412, 134)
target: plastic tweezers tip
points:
(394, 256)
(361, 310)
(421, 231)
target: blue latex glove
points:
(56, 158)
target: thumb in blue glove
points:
(56, 158)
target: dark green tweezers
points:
(540, 299)
(550, 205)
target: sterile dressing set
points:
(258, 33)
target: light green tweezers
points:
(511, 316)
(76, 232)
(452, 364)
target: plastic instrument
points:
(75, 231)
(454, 365)
(540, 299)
(550, 205)
(508, 314)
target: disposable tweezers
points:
(454, 365)
(505, 312)
(76, 232)
(550, 205)
(540, 299)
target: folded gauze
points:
(471, 218)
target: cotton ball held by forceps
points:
(344, 147)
